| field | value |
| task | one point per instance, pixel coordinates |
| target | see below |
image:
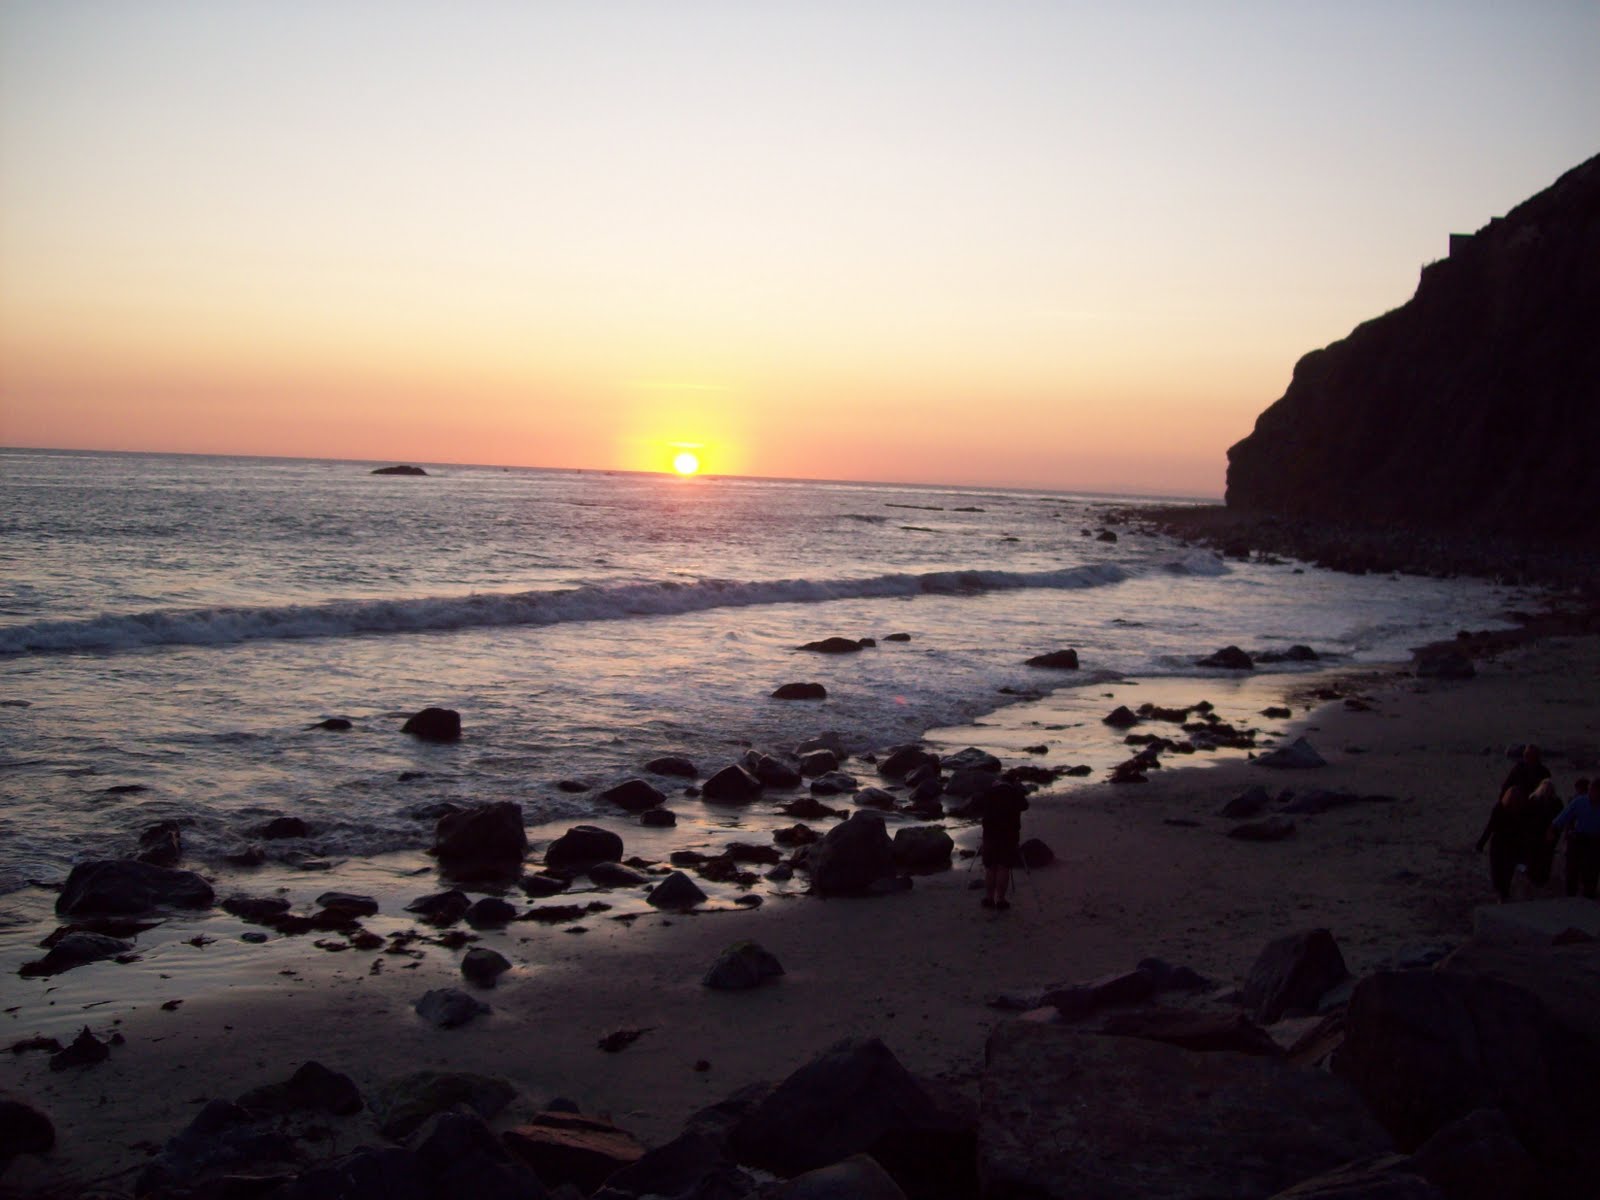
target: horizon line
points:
(1112, 493)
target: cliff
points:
(1473, 407)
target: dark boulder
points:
(582, 846)
(75, 950)
(1292, 973)
(481, 966)
(1478, 1158)
(312, 1088)
(800, 691)
(485, 841)
(902, 760)
(658, 818)
(283, 827)
(1247, 803)
(851, 857)
(1229, 658)
(968, 782)
(971, 759)
(834, 783)
(121, 887)
(1080, 1000)
(348, 905)
(809, 808)
(85, 1050)
(1427, 1048)
(614, 874)
(404, 1103)
(1121, 717)
(1035, 854)
(446, 1008)
(741, 966)
(818, 762)
(853, 1098)
(441, 909)
(434, 725)
(257, 910)
(544, 884)
(1076, 1114)
(922, 848)
(570, 1148)
(1295, 653)
(859, 1177)
(774, 772)
(677, 890)
(458, 1155)
(401, 469)
(731, 785)
(1060, 660)
(491, 912)
(23, 1130)
(834, 645)
(333, 724)
(637, 795)
(796, 835)
(1298, 755)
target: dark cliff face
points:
(1474, 406)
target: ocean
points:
(173, 628)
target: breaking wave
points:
(345, 618)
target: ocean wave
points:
(345, 618)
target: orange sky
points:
(1076, 247)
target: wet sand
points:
(1142, 869)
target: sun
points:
(685, 463)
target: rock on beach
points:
(124, 887)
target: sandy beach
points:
(1142, 870)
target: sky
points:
(1049, 245)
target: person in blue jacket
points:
(1580, 820)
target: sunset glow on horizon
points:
(1074, 246)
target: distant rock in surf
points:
(399, 470)
(1229, 658)
(1061, 660)
(837, 645)
(434, 725)
(800, 691)
(637, 795)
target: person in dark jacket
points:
(1001, 809)
(1515, 824)
(1527, 773)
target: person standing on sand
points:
(1507, 837)
(1539, 852)
(1001, 809)
(1582, 817)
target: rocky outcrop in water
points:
(1472, 407)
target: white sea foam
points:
(222, 626)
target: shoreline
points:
(1360, 549)
(1142, 870)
